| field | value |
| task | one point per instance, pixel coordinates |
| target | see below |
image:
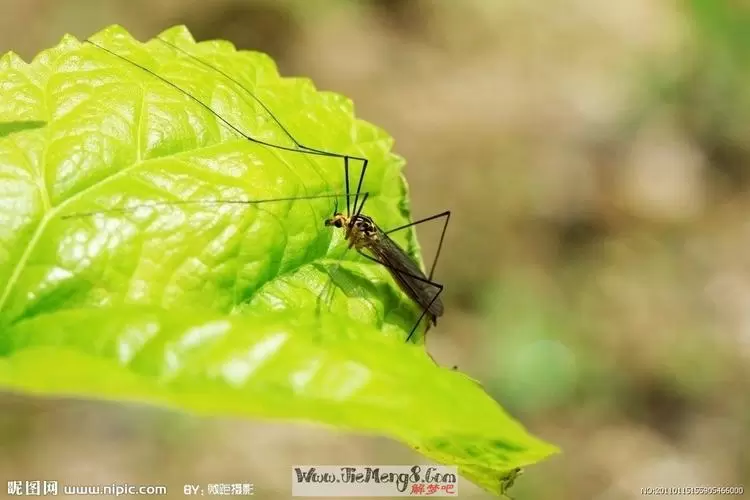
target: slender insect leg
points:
(123, 210)
(406, 273)
(298, 144)
(297, 148)
(365, 162)
(414, 328)
(346, 175)
(347, 181)
(364, 199)
(447, 215)
(399, 270)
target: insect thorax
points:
(364, 225)
(361, 231)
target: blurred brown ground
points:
(597, 269)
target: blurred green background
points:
(596, 157)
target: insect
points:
(362, 232)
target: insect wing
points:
(407, 274)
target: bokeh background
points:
(596, 156)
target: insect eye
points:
(337, 223)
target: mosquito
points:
(361, 231)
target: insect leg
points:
(123, 210)
(399, 270)
(364, 199)
(447, 215)
(281, 126)
(419, 278)
(359, 186)
(296, 146)
(346, 175)
(424, 311)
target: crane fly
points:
(361, 231)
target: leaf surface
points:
(252, 309)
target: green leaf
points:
(244, 309)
